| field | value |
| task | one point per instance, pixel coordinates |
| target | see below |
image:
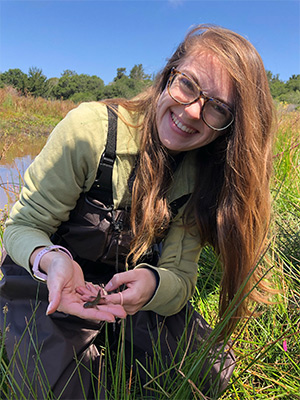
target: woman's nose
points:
(194, 110)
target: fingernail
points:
(108, 286)
(48, 309)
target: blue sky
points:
(97, 37)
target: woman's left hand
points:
(140, 285)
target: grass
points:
(267, 346)
(29, 116)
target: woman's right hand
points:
(64, 275)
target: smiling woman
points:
(184, 164)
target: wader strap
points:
(178, 203)
(102, 186)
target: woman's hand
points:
(64, 275)
(140, 286)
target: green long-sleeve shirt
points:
(67, 165)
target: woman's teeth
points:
(181, 126)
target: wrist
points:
(155, 274)
(41, 259)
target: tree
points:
(68, 73)
(66, 86)
(291, 97)
(288, 92)
(127, 86)
(118, 88)
(16, 78)
(37, 82)
(83, 96)
(293, 84)
(277, 87)
(120, 73)
(138, 73)
(51, 84)
(71, 84)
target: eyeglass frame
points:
(206, 98)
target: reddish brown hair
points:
(231, 200)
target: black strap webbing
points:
(178, 203)
(102, 186)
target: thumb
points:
(119, 279)
(54, 299)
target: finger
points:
(82, 290)
(115, 298)
(115, 309)
(85, 297)
(56, 283)
(92, 287)
(131, 304)
(101, 313)
(118, 280)
(53, 304)
(87, 291)
(54, 298)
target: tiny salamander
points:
(93, 303)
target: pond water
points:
(16, 154)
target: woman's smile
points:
(181, 126)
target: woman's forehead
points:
(205, 68)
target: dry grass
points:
(29, 115)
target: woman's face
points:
(180, 127)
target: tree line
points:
(83, 87)
(77, 87)
(288, 92)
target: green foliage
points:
(83, 96)
(15, 78)
(288, 92)
(37, 82)
(76, 87)
(138, 74)
(120, 73)
(127, 86)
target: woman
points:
(203, 129)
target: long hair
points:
(231, 199)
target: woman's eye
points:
(217, 108)
(187, 85)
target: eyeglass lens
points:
(185, 91)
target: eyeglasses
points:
(215, 114)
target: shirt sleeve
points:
(65, 167)
(177, 268)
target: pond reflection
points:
(16, 154)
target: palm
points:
(63, 293)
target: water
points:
(15, 157)
(11, 180)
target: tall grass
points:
(29, 115)
(267, 344)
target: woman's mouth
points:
(182, 127)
